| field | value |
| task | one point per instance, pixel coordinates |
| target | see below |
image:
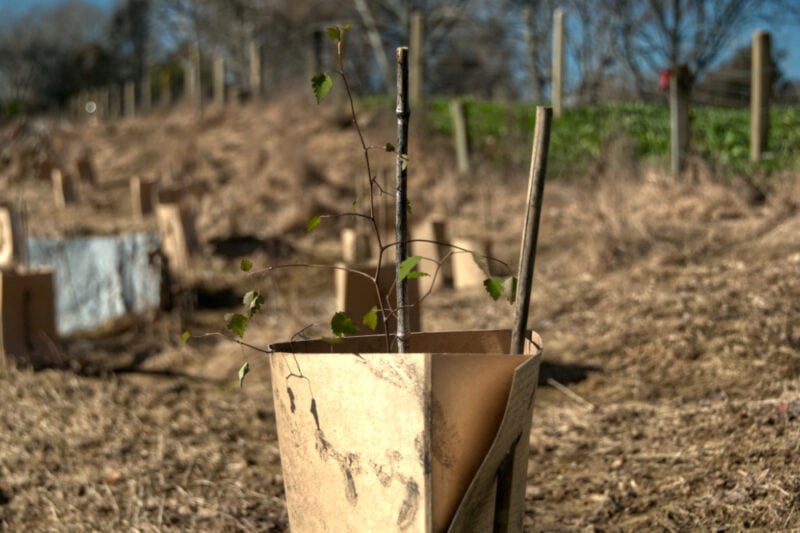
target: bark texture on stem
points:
(401, 196)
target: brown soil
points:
(670, 310)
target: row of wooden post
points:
(117, 101)
(679, 98)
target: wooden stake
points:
(254, 57)
(165, 88)
(147, 94)
(760, 78)
(679, 95)
(558, 61)
(401, 196)
(219, 80)
(129, 99)
(460, 138)
(541, 143)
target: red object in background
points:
(663, 80)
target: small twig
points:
(237, 341)
(566, 391)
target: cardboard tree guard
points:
(375, 441)
(27, 317)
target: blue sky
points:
(786, 39)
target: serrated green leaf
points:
(371, 318)
(494, 286)
(389, 147)
(407, 266)
(252, 302)
(510, 287)
(321, 83)
(184, 339)
(243, 372)
(342, 325)
(313, 222)
(236, 323)
(245, 265)
(334, 33)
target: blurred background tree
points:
(486, 48)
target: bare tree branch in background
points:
(38, 51)
(658, 34)
(593, 48)
(129, 34)
(536, 18)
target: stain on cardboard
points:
(409, 507)
(445, 439)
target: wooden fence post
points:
(254, 53)
(460, 138)
(146, 94)
(760, 85)
(164, 89)
(679, 95)
(416, 71)
(192, 87)
(219, 80)
(129, 99)
(557, 87)
(114, 102)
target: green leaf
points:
(184, 339)
(245, 265)
(236, 323)
(389, 147)
(334, 33)
(510, 287)
(355, 205)
(408, 207)
(407, 266)
(346, 27)
(494, 286)
(413, 275)
(252, 302)
(371, 318)
(313, 222)
(243, 372)
(342, 325)
(321, 83)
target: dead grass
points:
(684, 295)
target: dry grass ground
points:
(684, 298)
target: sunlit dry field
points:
(670, 308)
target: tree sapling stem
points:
(401, 196)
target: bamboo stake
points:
(401, 196)
(541, 143)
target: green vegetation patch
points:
(501, 133)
